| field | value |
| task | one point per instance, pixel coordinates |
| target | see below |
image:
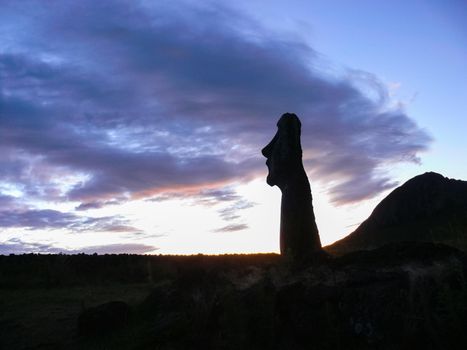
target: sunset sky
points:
(136, 126)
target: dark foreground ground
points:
(400, 296)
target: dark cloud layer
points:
(54, 219)
(112, 100)
(6, 201)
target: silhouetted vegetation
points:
(50, 271)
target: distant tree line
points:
(61, 270)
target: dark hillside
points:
(428, 207)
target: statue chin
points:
(270, 181)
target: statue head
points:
(284, 152)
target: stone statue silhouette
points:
(299, 236)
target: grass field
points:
(42, 296)
(47, 318)
(401, 296)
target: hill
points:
(428, 207)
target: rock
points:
(103, 319)
(299, 238)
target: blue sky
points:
(138, 127)
(419, 46)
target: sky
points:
(136, 126)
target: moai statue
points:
(299, 238)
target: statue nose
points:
(266, 151)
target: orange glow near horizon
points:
(186, 226)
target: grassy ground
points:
(367, 300)
(39, 318)
(42, 296)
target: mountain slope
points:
(428, 207)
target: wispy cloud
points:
(17, 246)
(232, 228)
(231, 212)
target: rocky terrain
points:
(400, 296)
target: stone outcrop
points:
(299, 237)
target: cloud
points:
(218, 195)
(6, 201)
(229, 201)
(98, 204)
(17, 246)
(53, 219)
(203, 196)
(91, 205)
(231, 212)
(118, 248)
(232, 228)
(106, 100)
